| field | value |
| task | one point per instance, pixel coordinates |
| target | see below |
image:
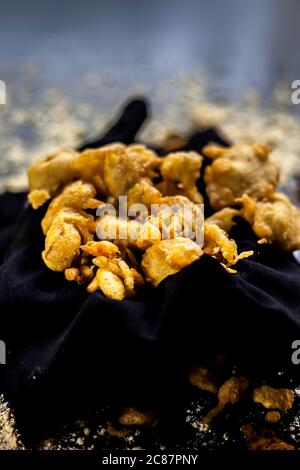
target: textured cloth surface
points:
(66, 346)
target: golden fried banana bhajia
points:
(234, 171)
(229, 393)
(274, 398)
(180, 171)
(125, 167)
(114, 277)
(168, 257)
(76, 195)
(46, 175)
(68, 230)
(275, 220)
(220, 246)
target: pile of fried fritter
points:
(240, 181)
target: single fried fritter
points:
(76, 195)
(180, 171)
(68, 230)
(50, 173)
(277, 220)
(167, 257)
(203, 379)
(218, 245)
(274, 398)
(110, 284)
(134, 417)
(237, 170)
(230, 392)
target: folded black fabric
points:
(67, 348)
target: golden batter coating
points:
(144, 192)
(68, 230)
(180, 171)
(203, 379)
(275, 220)
(220, 246)
(48, 174)
(167, 257)
(126, 166)
(76, 195)
(126, 232)
(230, 392)
(133, 417)
(123, 278)
(274, 398)
(234, 171)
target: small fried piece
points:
(218, 245)
(238, 170)
(101, 248)
(144, 192)
(272, 416)
(110, 284)
(68, 230)
(229, 393)
(61, 245)
(274, 398)
(180, 171)
(38, 197)
(167, 257)
(133, 417)
(76, 195)
(203, 379)
(46, 175)
(274, 220)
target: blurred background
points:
(69, 65)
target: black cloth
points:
(67, 348)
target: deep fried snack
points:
(203, 379)
(68, 230)
(126, 166)
(46, 175)
(90, 165)
(218, 245)
(237, 170)
(167, 257)
(110, 284)
(121, 281)
(144, 192)
(76, 195)
(180, 171)
(230, 392)
(272, 417)
(133, 417)
(274, 398)
(275, 220)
